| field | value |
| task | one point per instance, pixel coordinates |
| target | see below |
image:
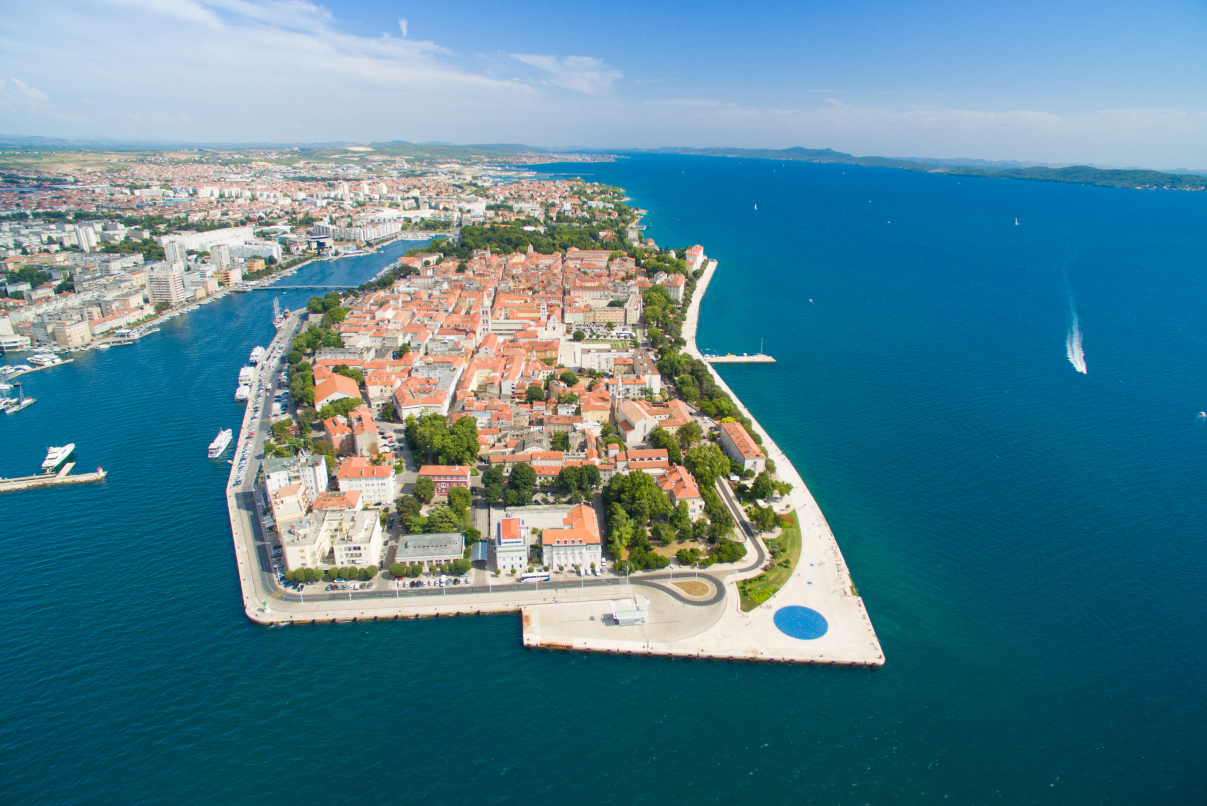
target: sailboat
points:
(1016, 222)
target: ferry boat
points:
(256, 355)
(220, 442)
(242, 394)
(56, 457)
(245, 376)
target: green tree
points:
(681, 518)
(661, 438)
(689, 433)
(568, 479)
(728, 551)
(459, 500)
(706, 463)
(522, 481)
(763, 487)
(399, 570)
(568, 378)
(579, 335)
(534, 394)
(441, 519)
(560, 441)
(425, 489)
(388, 412)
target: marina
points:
(12, 405)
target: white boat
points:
(242, 394)
(44, 359)
(56, 457)
(256, 355)
(245, 376)
(220, 442)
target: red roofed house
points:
(344, 502)
(680, 486)
(375, 483)
(337, 387)
(446, 476)
(738, 445)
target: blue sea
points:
(1028, 540)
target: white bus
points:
(535, 576)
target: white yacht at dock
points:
(56, 457)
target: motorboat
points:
(56, 457)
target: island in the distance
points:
(1072, 174)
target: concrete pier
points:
(51, 480)
(758, 358)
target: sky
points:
(1109, 83)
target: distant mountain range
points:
(1071, 174)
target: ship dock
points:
(51, 479)
(757, 358)
(12, 375)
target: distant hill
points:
(1073, 174)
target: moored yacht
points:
(220, 442)
(57, 456)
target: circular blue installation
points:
(801, 622)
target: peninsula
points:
(519, 420)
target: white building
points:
(576, 544)
(309, 471)
(305, 543)
(509, 549)
(355, 537)
(220, 256)
(166, 285)
(85, 238)
(174, 251)
(376, 484)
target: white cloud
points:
(581, 73)
(402, 25)
(19, 99)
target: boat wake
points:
(1073, 347)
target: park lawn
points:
(670, 550)
(758, 590)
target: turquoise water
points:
(1028, 540)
